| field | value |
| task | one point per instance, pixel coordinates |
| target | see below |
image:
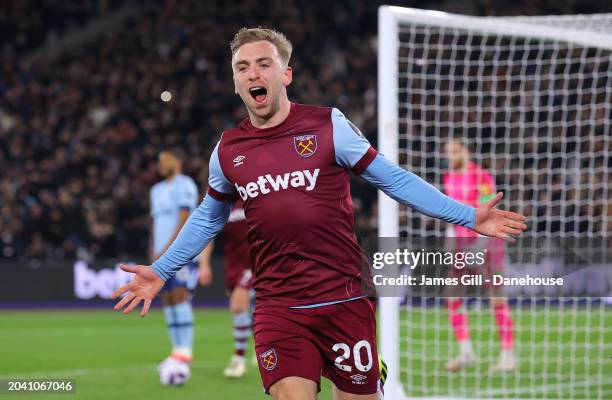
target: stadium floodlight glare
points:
(532, 96)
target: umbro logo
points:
(238, 160)
(358, 379)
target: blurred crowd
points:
(80, 134)
(27, 24)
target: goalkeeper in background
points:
(470, 184)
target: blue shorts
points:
(186, 277)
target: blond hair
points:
(249, 35)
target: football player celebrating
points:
(290, 164)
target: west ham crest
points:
(305, 145)
(268, 359)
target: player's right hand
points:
(144, 287)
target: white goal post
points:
(533, 97)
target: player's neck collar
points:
(271, 129)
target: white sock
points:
(183, 350)
(466, 347)
(507, 355)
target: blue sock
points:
(170, 314)
(184, 324)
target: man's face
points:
(260, 78)
(167, 164)
(457, 155)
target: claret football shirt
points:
(294, 181)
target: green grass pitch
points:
(113, 356)
(562, 353)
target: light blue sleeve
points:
(203, 224)
(216, 180)
(186, 193)
(350, 145)
(407, 188)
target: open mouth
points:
(259, 93)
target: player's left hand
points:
(498, 223)
(144, 287)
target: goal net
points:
(532, 99)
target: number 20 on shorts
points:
(345, 351)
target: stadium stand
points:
(79, 134)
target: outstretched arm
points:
(203, 224)
(407, 188)
(353, 151)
